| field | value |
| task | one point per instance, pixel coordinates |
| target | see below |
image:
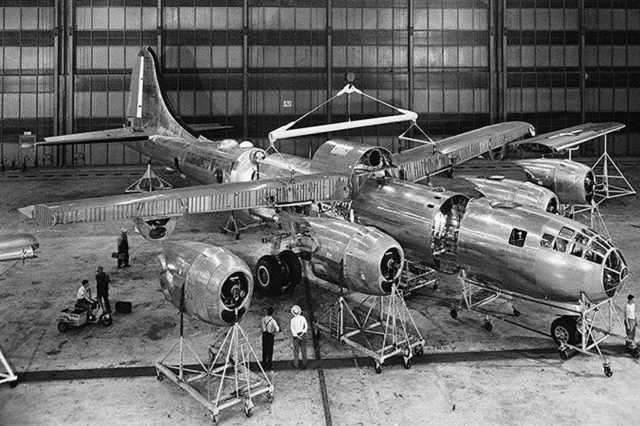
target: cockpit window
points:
(546, 241)
(560, 245)
(581, 239)
(577, 250)
(603, 242)
(517, 237)
(566, 232)
(594, 257)
(598, 248)
(589, 232)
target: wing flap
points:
(420, 162)
(123, 134)
(198, 199)
(570, 137)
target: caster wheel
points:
(435, 286)
(516, 313)
(453, 313)
(488, 326)
(406, 352)
(418, 350)
(635, 352)
(14, 383)
(406, 363)
(214, 418)
(608, 372)
(564, 354)
(248, 412)
(270, 396)
(159, 377)
(237, 236)
(224, 231)
(378, 368)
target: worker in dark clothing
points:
(123, 250)
(102, 283)
(269, 329)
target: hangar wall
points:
(259, 64)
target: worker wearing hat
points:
(123, 249)
(299, 333)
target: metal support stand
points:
(149, 182)
(594, 323)
(415, 276)
(227, 381)
(6, 373)
(235, 226)
(605, 189)
(393, 332)
(595, 219)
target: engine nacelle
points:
(514, 191)
(360, 258)
(573, 183)
(155, 229)
(218, 285)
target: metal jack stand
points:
(583, 330)
(392, 333)
(610, 171)
(6, 374)
(149, 182)
(227, 381)
(596, 221)
(235, 226)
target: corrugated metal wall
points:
(257, 65)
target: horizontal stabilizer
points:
(198, 199)
(573, 136)
(123, 134)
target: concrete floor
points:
(468, 375)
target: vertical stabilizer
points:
(148, 108)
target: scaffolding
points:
(149, 182)
(379, 335)
(583, 328)
(6, 373)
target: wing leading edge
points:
(198, 199)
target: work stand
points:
(611, 183)
(589, 214)
(379, 335)
(226, 381)
(583, 328)
(416, 276)
(149, 182)
(236, 226)
(6, 373)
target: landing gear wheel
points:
(269, 277)
(378, 368)
(418, 350)
(453, 313)
(62, 327)
(607, 371)
(487, 325)
(293, 268)
(406, 362)
(563, 330)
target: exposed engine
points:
(513, 191)
(573, 183)
(214, 285)
(356, 257)
(155, 229)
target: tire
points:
(563, 330)
(269, 276)
(63, 327)
(378, 368)
(293, 267)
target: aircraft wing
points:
(122, 134)
(196, 199)
(425, 160)
(573, 136)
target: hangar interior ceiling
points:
(256, 65)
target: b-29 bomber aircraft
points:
(498, 240)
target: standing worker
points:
(102, 284)
(299, 333)
(123, 250)
(630, 322)
(269, 329)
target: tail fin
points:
(148, 106)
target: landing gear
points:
(269, 275)
(563, 330)
(290, 262)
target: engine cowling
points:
(218, 285)
(155, 229)
(573, 183)
(514, 191)
(358, 257)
